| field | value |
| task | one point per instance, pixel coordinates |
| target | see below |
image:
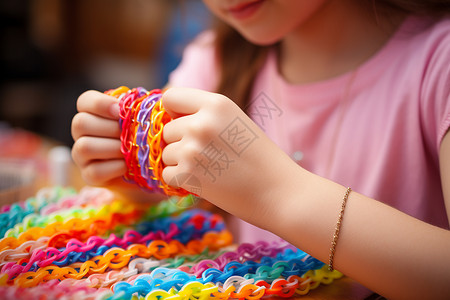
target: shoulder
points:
(438, 47)
(430, 39)
(198, 67)
(431, 50)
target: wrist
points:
(309, 213)
(289, 199)
(280, 195)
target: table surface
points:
(340, 289)
(343, 288)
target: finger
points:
(86, 124)
(98, 104)
(170, 155)
(175, 130)
(168, 175)
(87, 148)
(101, 172)
(184, 101)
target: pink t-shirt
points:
(377, 129)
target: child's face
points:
(265, 22)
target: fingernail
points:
(114, 110)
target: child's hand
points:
(96, 150)
(96, 132)
(215, 150)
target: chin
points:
(261, 39)
(263, 42)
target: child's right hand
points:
(96, 132)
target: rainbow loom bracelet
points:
(142, 119)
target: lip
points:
(245, 10)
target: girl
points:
(338, 93)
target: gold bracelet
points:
(337, 229)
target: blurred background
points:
(53, 50)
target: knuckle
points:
(195, 128)
(78, 125)
(165, 155)
(81, 147)
(221, 98)
(220, 101)
(191, 150)
(91, 175)
(201, 129)
(75, 157)
(166, 175)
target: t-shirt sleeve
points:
(436, 83)
(198, 66)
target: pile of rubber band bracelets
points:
(90, 245)
(142, 119)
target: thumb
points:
(180, 102)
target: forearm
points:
(379, 246)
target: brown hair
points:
(239, 60)
(418, 7)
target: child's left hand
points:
(216, 151)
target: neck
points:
(339, 38)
